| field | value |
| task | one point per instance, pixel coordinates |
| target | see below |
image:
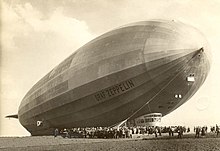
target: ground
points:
(188, 143)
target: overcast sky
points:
(36, 35)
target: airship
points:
(143, 68)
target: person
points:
(159, 131)
(170, 131)
(130, 132)
(56, 132)
(212, 129)
(197, 129)
(217, 129)
(206, 129)
(180, 131)
(69, 133)
(203, 131)
(188, 130)
(155, 131)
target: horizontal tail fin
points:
(12, 116)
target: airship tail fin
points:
(12, 116)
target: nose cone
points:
(177, 59)
(170, 40)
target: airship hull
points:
(126, 73)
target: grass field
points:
(188, 143)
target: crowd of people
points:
(128, 132)
(201, 131)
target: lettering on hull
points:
(114, 90)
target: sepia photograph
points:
(92, 75)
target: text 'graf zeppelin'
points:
(114, 90)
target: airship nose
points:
(201, 49)
(174, 40)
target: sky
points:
(36, 35)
